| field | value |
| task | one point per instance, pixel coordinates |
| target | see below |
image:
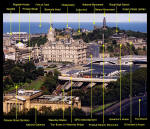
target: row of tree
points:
(18, 72)
(97, 34)
(46, 111)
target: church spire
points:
(104, 23)
(51, 27)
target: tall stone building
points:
(104, 27)
(51, 36)
(64, 50)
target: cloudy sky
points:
(86, 17)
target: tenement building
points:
(27, 99)
(63, 50)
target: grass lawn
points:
(49, 68)
(36, 84)
(101, 107)
(13, 87)
(10, 89)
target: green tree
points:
(78, 112)
(50, 84)
(40, 71)
(7, 81)
(7, 66)
(49, 74)
(110, 48)
(56, 74)
(75, 112)
(144, 48)
(17, 74)
(139, 82)
(37, 40)
(46, 111)
(29, 67)
(32, 111)
(57, 112)
(30, 71)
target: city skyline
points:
(74, 17)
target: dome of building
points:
(20, 45)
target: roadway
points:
(125, 107)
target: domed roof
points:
(20, 45)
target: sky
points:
(86, 17)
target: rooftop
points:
(56, 99)
(23, 92)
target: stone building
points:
(93, 49)
(27, 99)
(65, 50)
